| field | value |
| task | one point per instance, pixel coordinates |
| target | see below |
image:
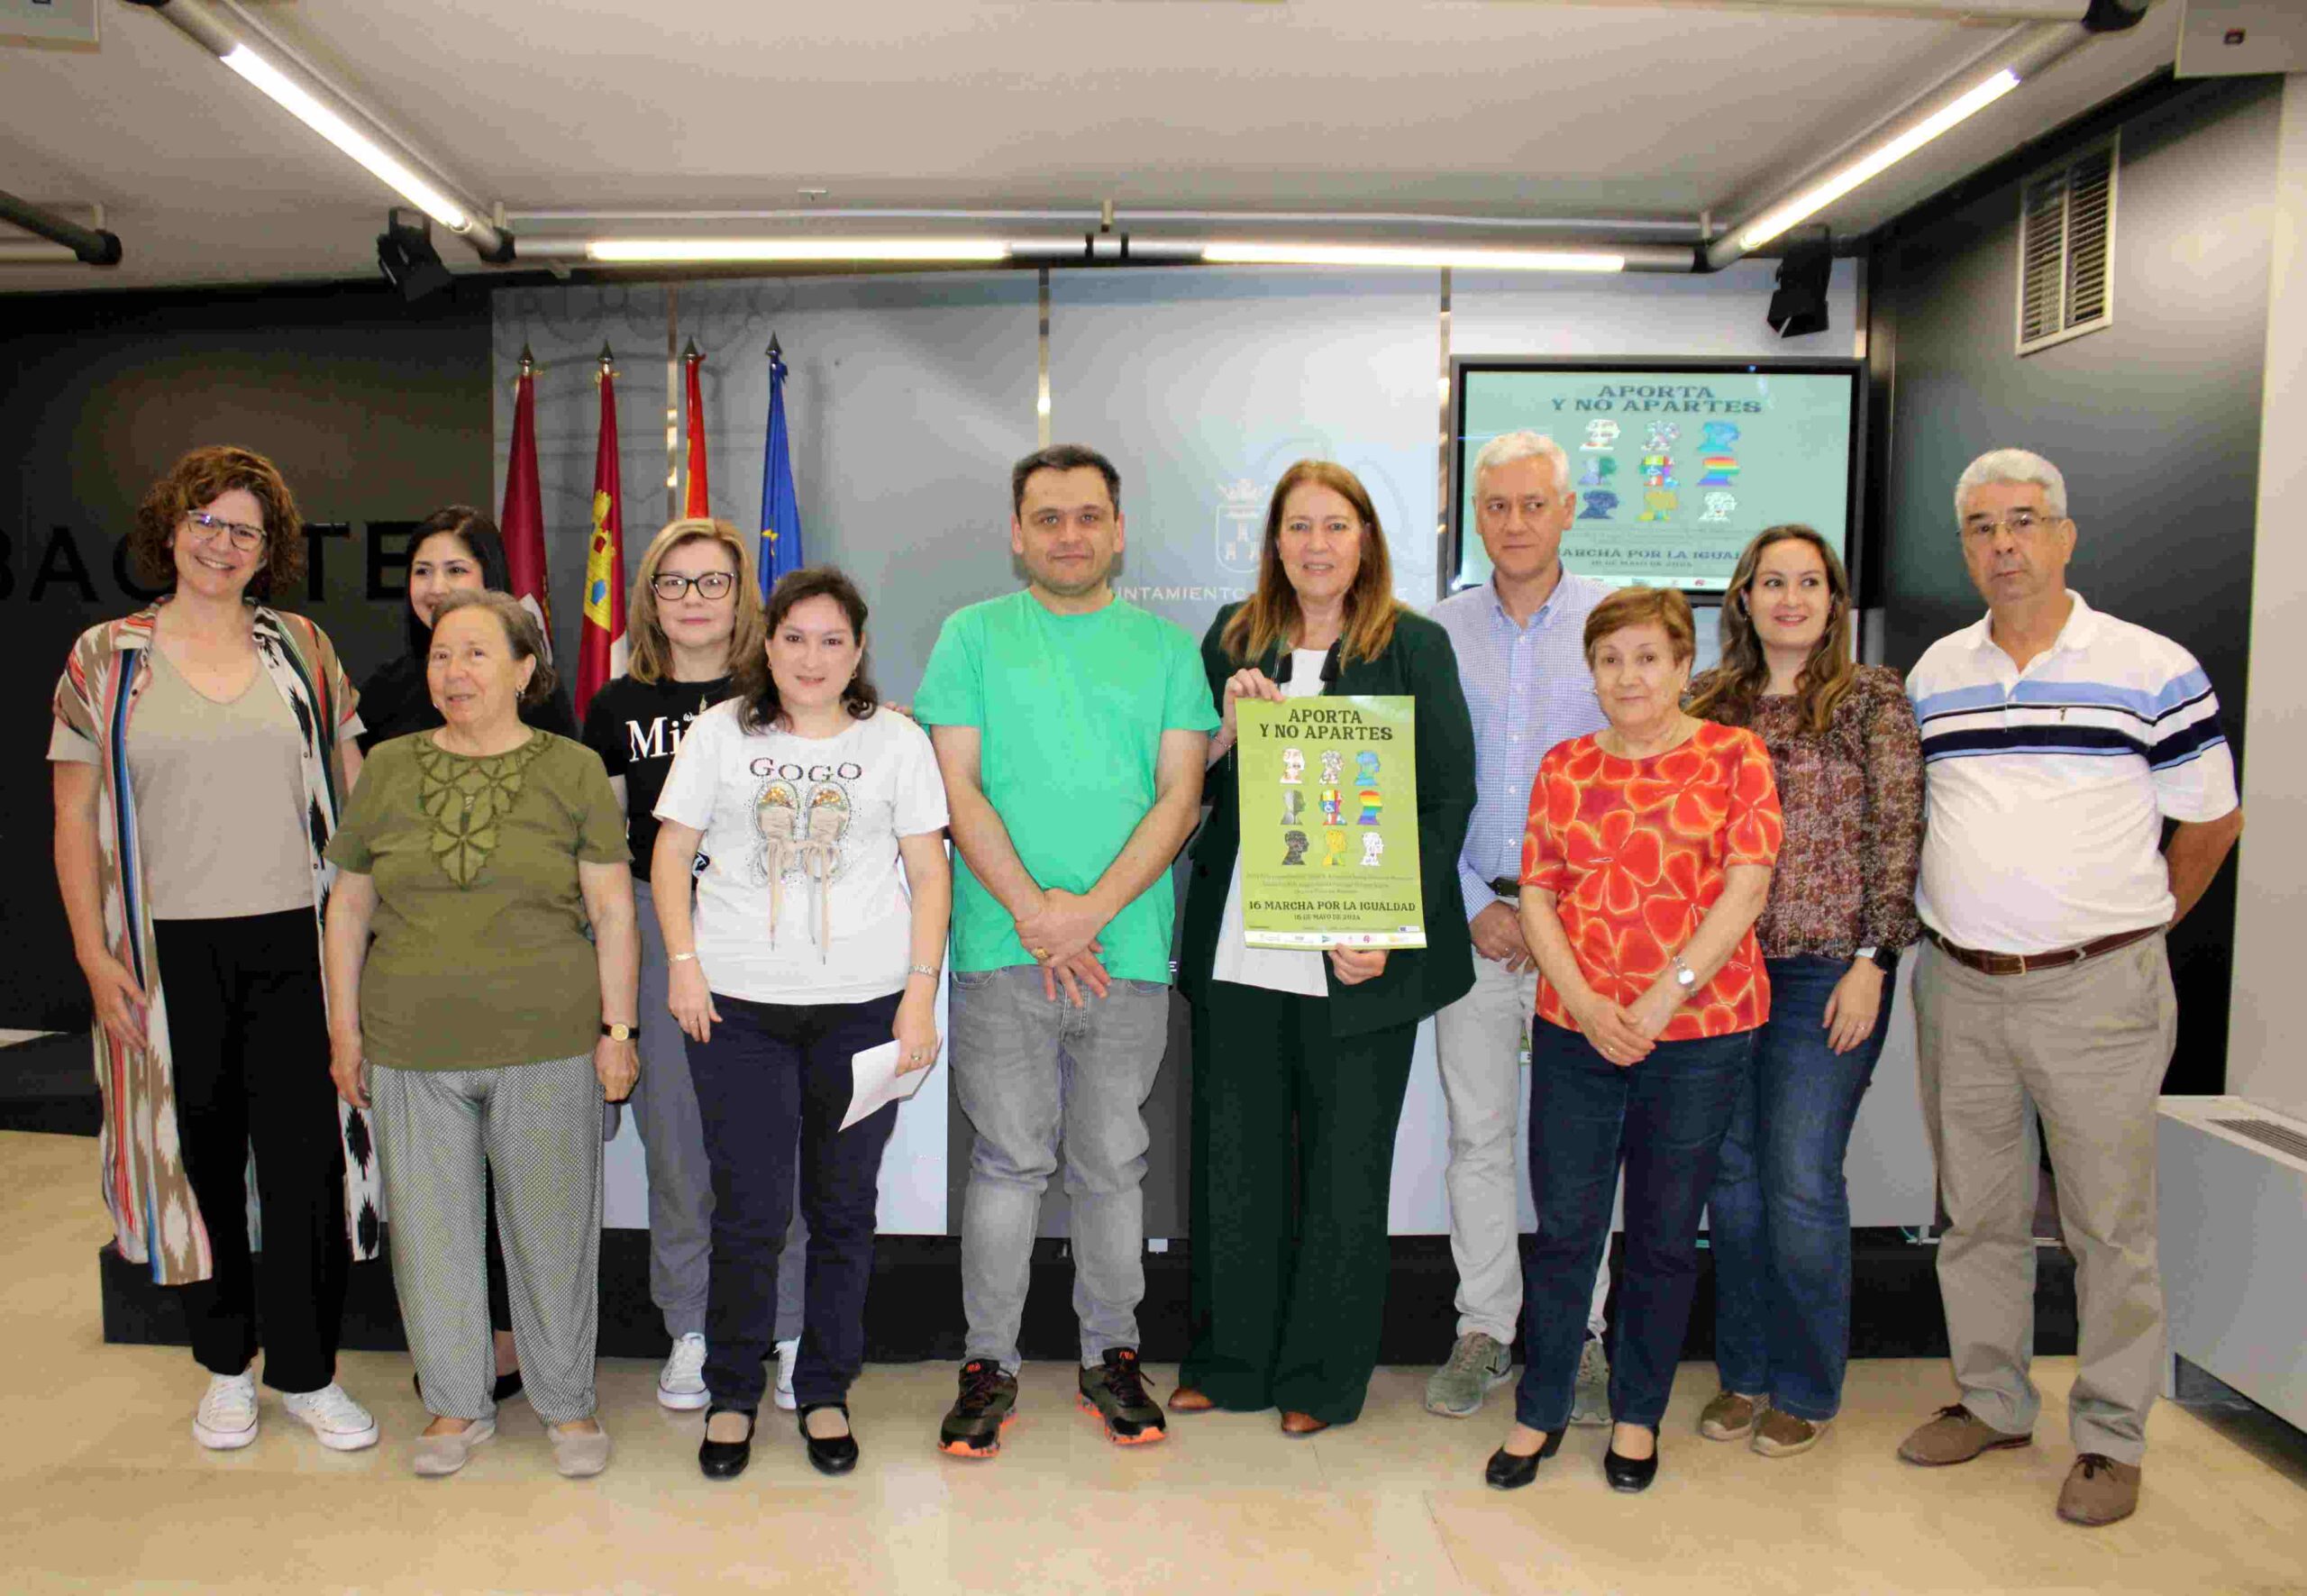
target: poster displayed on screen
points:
(1677, 466)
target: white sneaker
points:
(681, 1386)
(343, 1424)
(226, 1417)
(789, 1354)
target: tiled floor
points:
(102, 1488)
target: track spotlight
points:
(406, 255)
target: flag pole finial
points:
(528, 361)
(690, 352)
(776, 350)
(608, 359)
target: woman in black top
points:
(456, 546)
(694, 613)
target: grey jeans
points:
(1039, 1079)
(2077, 1056)
(680, 1182)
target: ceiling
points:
(1494, 107)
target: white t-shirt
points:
(800, 897)
(1277, 970)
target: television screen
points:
(1676, 464)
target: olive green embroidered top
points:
(480, 956)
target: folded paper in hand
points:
(877, 1081)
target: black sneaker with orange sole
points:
(986, 1407)
(1116, 1393)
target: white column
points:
(2263, 1060)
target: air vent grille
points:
(2281, 1138)
(2066, 227)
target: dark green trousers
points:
(1293, 1154)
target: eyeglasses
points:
(2021, 523)
(247, 539)
(713, 584)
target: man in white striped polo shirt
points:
(2056, 743)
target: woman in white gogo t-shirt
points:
(791, 806)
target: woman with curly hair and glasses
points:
(202, 749)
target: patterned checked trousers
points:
(539, 1126)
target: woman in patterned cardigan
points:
(1843, 743)
(201, 748)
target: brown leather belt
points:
(2022, 963)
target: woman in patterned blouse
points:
(1849, 765)
(1646, 860)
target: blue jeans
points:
(1664, 1118)
(772, 1084)
(1781, 1209)
(1042, 1080)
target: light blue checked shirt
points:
(1527, 689)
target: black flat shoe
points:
(836, 1455)
(1508, 1472)
(1627, 1473)
(725, 1459)
(507, 1387)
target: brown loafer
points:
(1294, 1423)
(1781, 1434)
(1187, 1398)
(1730, 1416)
(2099, 1490)
(1956, 1435)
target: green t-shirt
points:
(481, 957)
(1070, 711)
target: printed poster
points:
(1330, 823)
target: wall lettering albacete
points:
(61, 569)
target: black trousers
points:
(772, 1084)
(248, 1034)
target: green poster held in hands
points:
(1329, 823)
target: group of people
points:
(1682, 897)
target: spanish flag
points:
(600, 647)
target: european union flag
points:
(781, 508)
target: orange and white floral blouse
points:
(1634, 851)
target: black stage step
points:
(914, 1310)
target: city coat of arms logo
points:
(1241, 524)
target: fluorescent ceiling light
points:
(796, 249)
(1411, 256)
(1812, 200)
(301, 105)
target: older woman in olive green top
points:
(486, 1024)
(1309, 1051)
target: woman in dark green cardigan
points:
(1309, 1053)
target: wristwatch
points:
(1684, 976)
(618, 1031)
(1883, 959)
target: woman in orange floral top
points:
(1647, 862)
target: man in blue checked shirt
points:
(2056, 739)
(1522, 660)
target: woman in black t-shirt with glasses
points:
(696, 607)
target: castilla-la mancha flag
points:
(522, 522)
(600, 647)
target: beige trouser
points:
(2081, 1050)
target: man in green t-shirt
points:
(1072, 730)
